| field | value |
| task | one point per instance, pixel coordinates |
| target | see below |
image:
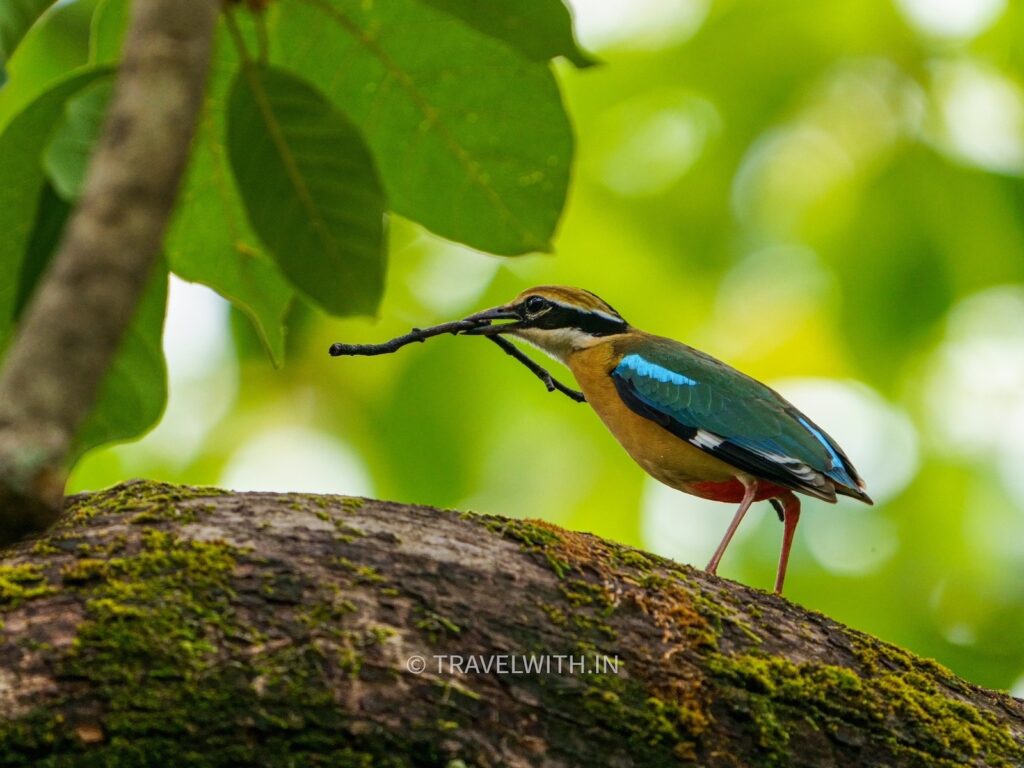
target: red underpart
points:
(733, 490)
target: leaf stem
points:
(236, 36)
(262, 38)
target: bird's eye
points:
(536, 304)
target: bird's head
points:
(557, 319)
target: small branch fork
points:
(455, 327)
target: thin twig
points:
(454, 327)
(416, 335)
(541, 373)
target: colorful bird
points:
(691, 421)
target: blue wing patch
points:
(837, 470)
(642, 367)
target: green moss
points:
(938, 729)
(352, 503)
(660, 729)
(83, 570)
(523, 531)
(176, 675)
(437, 626)
(555, 614)
(634, 559)
(19, 583)
(151, 501)
(44, 547)
(365, 574)
(327, 613)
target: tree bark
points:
(73, 325)
(166, 625)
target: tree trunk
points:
(165, 625)
(85, 302)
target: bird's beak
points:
(488, 316)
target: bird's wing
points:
(733, 417)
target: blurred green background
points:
(827, 195)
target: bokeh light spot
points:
(959, 19)
(202, 377)
(849, 539)
(784, 172)
(982, 116)
(296, 458)
(563, 453)
(636, 24)
(975, 380)
(974, 386)
(196, 337)
(447, 276)
(644, 146)
(765, 299)
(1017, 689)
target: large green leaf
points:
(210, 240)
(106, 34)
(310, 187)
(16, 17)
(134, 390)
(21, 147)
(538, 29)
(470, 137)
(67, 157)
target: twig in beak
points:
(416, 334)
(455, 327)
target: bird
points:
(688, 419)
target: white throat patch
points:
(558, 342)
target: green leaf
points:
(16, 18)
(310, 187)
(55, 47)
(21, 147)
(106, 34)
(134, 390)
(470, 137)
(67, 157)
(52, 215)
(538, 29)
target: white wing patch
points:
(706, 440)
(801, 471)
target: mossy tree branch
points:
(168, 625)
(74, 323)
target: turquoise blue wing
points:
(733, 417)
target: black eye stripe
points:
(589, 322)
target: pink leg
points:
(748, 498)
(791, 516)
